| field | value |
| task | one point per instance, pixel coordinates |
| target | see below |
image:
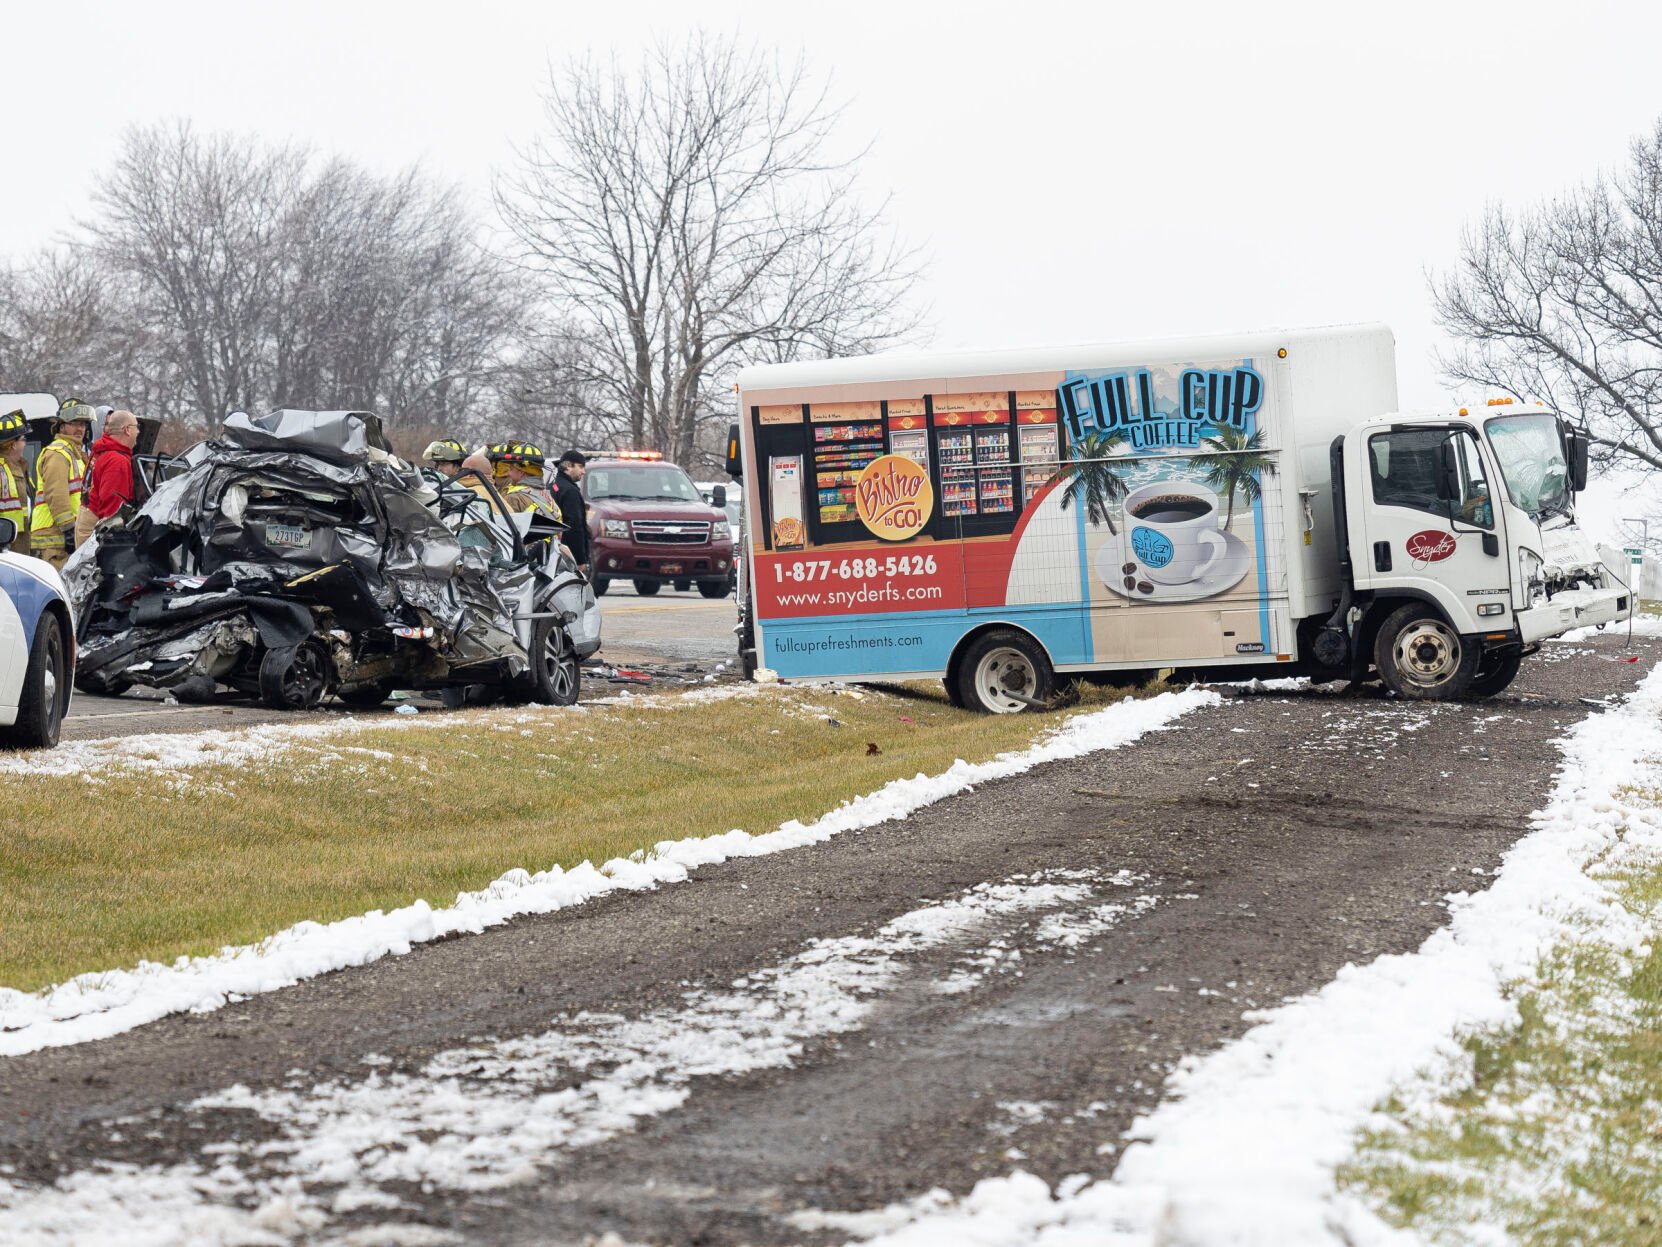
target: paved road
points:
(1002, 980)
(680, 637)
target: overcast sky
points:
(1073, 172)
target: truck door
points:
(1448, 550)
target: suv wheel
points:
(646, 588)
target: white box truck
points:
(1237, 506)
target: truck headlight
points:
(615, 528)
(1529, 575)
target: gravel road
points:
(1002, 980)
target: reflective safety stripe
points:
(538, 502)
(12, 499)
(42, 517)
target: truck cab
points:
(1461, 548)
(648, 524)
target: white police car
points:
(37, 648)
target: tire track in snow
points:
(495, 1114)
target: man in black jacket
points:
(568, 496)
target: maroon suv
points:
(649, 525)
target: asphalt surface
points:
(671, 639)
(1267, 842)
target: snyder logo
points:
(894, 498)
(1430, 546)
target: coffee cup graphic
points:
(1171, 532)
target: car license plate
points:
(287, 537)
(669, 569)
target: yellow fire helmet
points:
(12, 426)
(72, 409)
(446, 450)
(520, 454)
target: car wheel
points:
(295, 681)
(364, 696)
(556, 677)
(646, 588)
(1005, 672)
(600, 584)
(1421, 657)
(45, 692)
(715, 588)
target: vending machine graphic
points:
(909, 430)
(1036, 430)
(785, 497)
(846, 437)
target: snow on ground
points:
(491, 1115)
(97, 1005)
(1642, 625)
(1243, 1150)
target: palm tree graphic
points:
(1093, 476)
(1241, 460)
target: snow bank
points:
(1244, 1149)
(95, 1006)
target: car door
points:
(14, 651)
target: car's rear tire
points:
(715, 588)
(600, 584)
(1005, 672)
(556, 676)
(646, 588)
(45, 692)
(1421, 657)
(296, 681)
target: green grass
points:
(1555, 1132)
(97, 875)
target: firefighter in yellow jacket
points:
(519, 464)
(60, 480)
(14, 479)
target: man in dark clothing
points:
(568, 496)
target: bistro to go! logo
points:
(894, 498)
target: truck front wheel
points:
(1421, 658)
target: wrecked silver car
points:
(293, 556)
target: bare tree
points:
(1563, 302)
(249, 276)
(690, 219)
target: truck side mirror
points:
(1448, 473)
(735, 461)
(718, 497)
(1579, 446)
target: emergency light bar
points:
(639, 454)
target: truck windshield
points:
(641, 483)
(1532, 462)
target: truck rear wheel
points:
(1495, 672)
(1004, 672)
(1421, 657)
(646, 588)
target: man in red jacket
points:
(111, 470)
